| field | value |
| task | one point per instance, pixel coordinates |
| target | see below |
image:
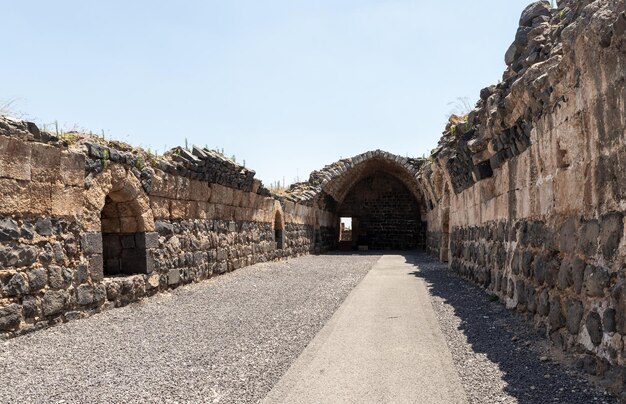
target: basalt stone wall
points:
(530, 184)
(328, 238)
(433, 242)
(558, 274)
(87, 225)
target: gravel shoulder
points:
(499, 357)
(226, 340)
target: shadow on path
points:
(504, 337)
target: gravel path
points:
(229, 340)
(226, 340)
(500, 359)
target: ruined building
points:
(524, 196)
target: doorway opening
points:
(123, 236)
(345, 229)
(346, 233)
(279, 236)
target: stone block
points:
(85, 295)
(160, 207)
(153, 281)
(81, 275)
(568, 192)
(46, 163)
(111, 225)
(26, 254)
(67, 201)
(147, 240)
(596, 280)
(574, 315)
(10, 317)
(44, 227)
(555, 315)
(611, 231)
(578, 272)
(15, 159)
(96, 268)
(31, 306)
(9, 230)
(608, 320)
(14, 196)
(183, 188)
(150, 263)
(72, 169)
(178, 209)
(192, 210)
(540, 268)
(123, 209)
(91, 243)
(224, 212)
(129, 225)
(594, 327)
(173, 277)
(199, 191)
(567, 235)
(210, 212)
(545, 197)
(237, 197)
(588, 240)
(54, 302)
(17, 285)
(531, 299)
(59, 277)
(40, 198)
(164, 228)
(221, 195)
(163, 185)
(37, 279)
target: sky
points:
(286, 85)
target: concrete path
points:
(383, 345)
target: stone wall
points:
(87, 225)
(526, 193)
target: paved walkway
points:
(383, 345)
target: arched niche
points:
(279, 230)
(118, 208)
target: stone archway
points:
(357, 186)
(385, 215)
(117, 211)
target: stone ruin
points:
(525, 196)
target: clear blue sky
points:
(287, 85)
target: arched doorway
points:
(385, 214)
(123, 234)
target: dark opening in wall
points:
(385, 214)
(346, 233)
(279, 237)
(123, 245)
